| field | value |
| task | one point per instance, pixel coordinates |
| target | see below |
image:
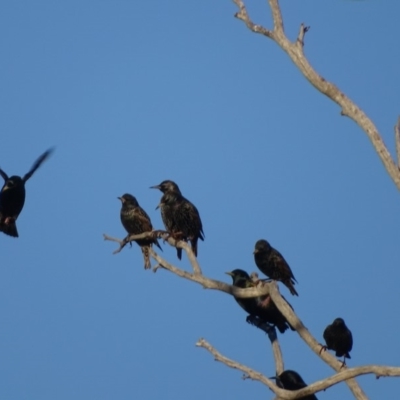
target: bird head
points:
(261, 246)
(167, 186)
(239, 276)
(338, 322)
(129, 200)
(12, 183)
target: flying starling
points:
(180, 216)
(136, 221)
(291, 380)
(271, 263)
(12, 197)
(338, 338)
(262, 307)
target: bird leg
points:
(323, 348)
(265, 302)
(125, 242)
(166, 234)
(343, 363)
(177, 236)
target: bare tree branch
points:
(323, 384)
(266, 288)
(397, 140)
(251, 373)
(277, 17)
(197, 277)
(271, 332)
(161, 235)
(287, 311)
(296, 54)
(208, 283)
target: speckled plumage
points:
(338, 337)
(12, 197)
(271, 263)
(180, 217)
(135, 221)
(291, 380)
(262, 307)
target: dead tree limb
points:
(295, 51)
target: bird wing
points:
(3, 174)
(143, 219)
(282, 264)
(191, 218)
(329, 336)
(37, 164)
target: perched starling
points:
(291, 380)
(136, 221)
(12, 197)
(338, 338)
(180, 216)
(262, 307)
(271, 263)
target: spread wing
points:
(37, 164)
(3, 174)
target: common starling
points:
(262, 307)
(271, 263)
(338, 338)
(180, 216)
(12, 197)
(135, 221)
(291, 380)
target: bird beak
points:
(158, 206)
(255, 251)
(272, 377)
(229, 273)
(121, 198)
(155, 187)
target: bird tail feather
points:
(193, 242)
(157, 244)
(9, 229)
(290, 286)
(146, 256)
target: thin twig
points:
(303, 30)
(161, 235)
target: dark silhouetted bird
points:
(338, 338)
(12, 197)
(180, 216)
(271, 263)
(291, 380)
(135, 221)
(262, 307)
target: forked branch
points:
(296, 53)
(264, 288)
(196, 275)
(347, 374)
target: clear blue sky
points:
(132, 93)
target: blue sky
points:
(132, 93)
